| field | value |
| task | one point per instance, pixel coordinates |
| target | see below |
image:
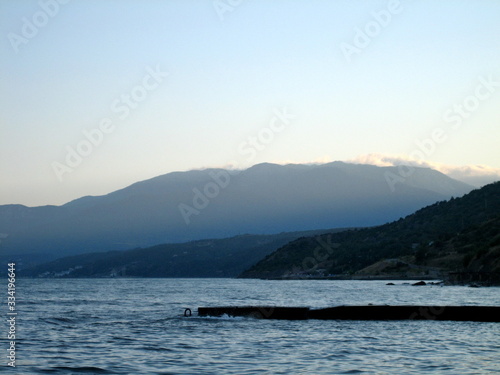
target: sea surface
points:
(136, 326)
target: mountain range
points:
(219, 203)
(456, 240)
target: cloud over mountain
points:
(476, 175)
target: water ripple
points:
(136, 327)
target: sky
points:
(98, 94)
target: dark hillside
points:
(206, 258)
(458, 235)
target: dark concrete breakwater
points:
(368, 312)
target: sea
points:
(137, 326)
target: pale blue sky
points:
(225, 79)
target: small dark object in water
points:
(441, 283)
(390, 284)
(419, 283)
(187, 313)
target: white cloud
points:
(476, 175)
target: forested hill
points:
(458, 235)
(226, 257)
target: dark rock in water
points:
(390, 284)
(419, 283)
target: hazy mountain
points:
(461, 235)
(212, 203)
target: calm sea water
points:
(135, 326)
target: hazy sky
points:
(96, 94)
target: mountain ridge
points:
(266, 198)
